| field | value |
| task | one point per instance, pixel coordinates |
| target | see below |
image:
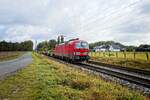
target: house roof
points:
(114, 46)
(101, 47)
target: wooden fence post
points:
(147, 56)
(125, 55)
(116, 54)
(103, 54)
(109, 54)
(134, 55)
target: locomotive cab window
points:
(82, 45)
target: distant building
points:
(112, 47)
(100, 48)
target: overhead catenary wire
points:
(85, 27)
(95, 20)
(108, 27)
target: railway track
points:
(133, 70)
(127, 76)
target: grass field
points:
(10, 55)
(123, 55)
(129, 59)
(49, 80)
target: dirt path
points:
(11, 66)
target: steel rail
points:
(133, 70)
(133, 79)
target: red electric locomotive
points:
(74, 50)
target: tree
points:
(23, 46)
(46, 45)
(58, 40)
(143, 47)
(52, 44)
(62, 39)
(130, 48)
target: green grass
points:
(4, 56)
(137, 60)
(49, 80)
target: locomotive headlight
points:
(78, 53)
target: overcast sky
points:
(125, 21)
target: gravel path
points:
(11, 66)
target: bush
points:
(80, 84)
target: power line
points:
(95, 20)
(114, 12)
(109, 27)
(106, 22)
(117, 11)
(104, 17)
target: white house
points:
(100, 48)
(112, 47)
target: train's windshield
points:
(82, 45)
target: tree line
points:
(143, 47)
(10, 46)
(46, 45)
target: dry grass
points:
(122, 55)
(139, 62)
(10, 55)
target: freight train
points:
(74, 50)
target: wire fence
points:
(123, 55)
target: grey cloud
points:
(145, 9)
(137, 20)
(23, 11)
(135, 28)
